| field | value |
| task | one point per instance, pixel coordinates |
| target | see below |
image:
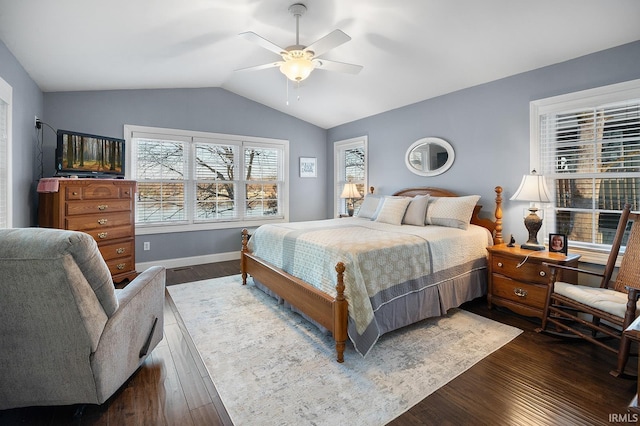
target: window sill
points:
(209, 226)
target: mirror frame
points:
(430, 140)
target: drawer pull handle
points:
(120, 266)
(499, 264)
(102, 235)
(543, 274)
(120, 250)
(520, 292)
(74, 193)
(102, 221)
(103, 207)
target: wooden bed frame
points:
(328, 311)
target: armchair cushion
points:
(41, 243)
(604, 299)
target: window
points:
(6, 94)
(195, 180)
(350, 165)
(587, 145)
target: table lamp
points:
(533, 188)
(350, 192)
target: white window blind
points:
(590, 154)
(5, 154)
(198, 179)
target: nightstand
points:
(518, 280)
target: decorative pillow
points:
(369, 206)
(454, 212)
(416, 211)
(392, 210)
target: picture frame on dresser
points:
(558, 243)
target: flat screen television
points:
(85, 155)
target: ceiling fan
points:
(297, 60)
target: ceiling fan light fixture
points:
(297, 64)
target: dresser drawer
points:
(98, 221)
(102, 235)
(121, 265)
(116, 250)
(529, 294)
(99, 206)
(98, 191)
(530, 270)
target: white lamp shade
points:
(350, 191)
(297, 65)
(532, 188)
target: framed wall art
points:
(308, 167)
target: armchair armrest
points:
(141, 305)
(553, 266)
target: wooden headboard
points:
(494, 226)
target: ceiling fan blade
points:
(255, 38)
(324, 64)
(334, 39)
(261, 67)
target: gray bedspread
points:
(384, 263)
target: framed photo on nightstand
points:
(558, 243)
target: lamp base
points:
(533, 223)
(536, 247)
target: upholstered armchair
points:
(67, 336)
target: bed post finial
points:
(340, 314)
(243, 266)
(498, 214)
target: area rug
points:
(272, 367)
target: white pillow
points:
(454, 212)
(392, 210)
(369, 206)
(416, 211)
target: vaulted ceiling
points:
(411, 50)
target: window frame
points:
(6, 178)
(589, 98)
(191, 138)
(339, 179)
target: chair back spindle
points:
(629, 272)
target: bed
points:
(386, 276)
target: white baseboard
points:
(189, 261)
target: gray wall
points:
(204, 109)
(27, 104)
(488, 126)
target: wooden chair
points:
(613, 305)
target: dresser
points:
(518, 280)
(103, 208)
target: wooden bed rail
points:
(330, 312)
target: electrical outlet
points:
(147, 245)
(37, 123)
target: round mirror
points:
(429, 156)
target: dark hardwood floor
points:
(535, 379)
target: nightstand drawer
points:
(529, 294)
(530, 270)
